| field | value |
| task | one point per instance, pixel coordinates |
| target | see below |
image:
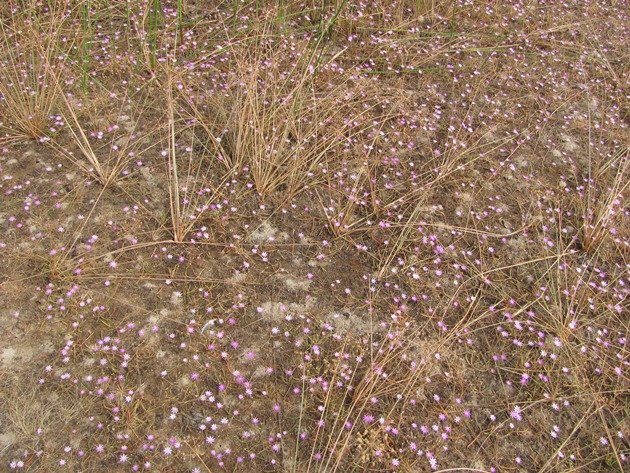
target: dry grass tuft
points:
(606, 188)
(274, 123)
(32, 62)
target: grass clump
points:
(33, 61)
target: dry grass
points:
(104, 162)
(313, 236)
(273, 121)
(32, 62)
(606, 188)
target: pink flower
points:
(516, 413)
(368, 418)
